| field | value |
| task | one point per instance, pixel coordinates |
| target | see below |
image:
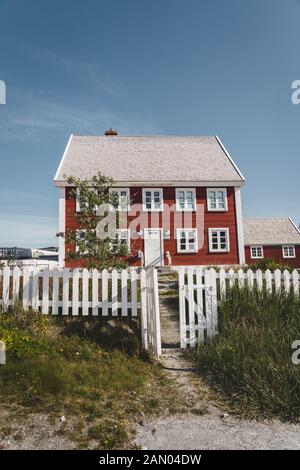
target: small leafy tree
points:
(100, 253)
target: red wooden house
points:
(275, 239)
(181, 195)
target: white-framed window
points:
(123, 235)
(80, 236)
(288, 251)
(256, 251)
(185, 199)
(187, 241)
(216, 199)
(80, 205)
(152, 199)
(218, 239)
(123, 197)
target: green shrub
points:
(270, 264)
(249, 363)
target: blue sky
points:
(193, 67)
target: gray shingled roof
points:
(148, 159)
(270, 232)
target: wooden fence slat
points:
(85, 292)
(16, 284)
(75, 292)
(222, 276)
(250, 279)
(208, 304)
(241, 278)
(133, 277)
(114, 293)
(144, 307)
(95, 292)
(55, 294)
(269, 285)
(191, 308)
(277, 279)
(295, 280)
(231, 275)
(286, 281)
(124, 287)
(214, 300)
(259, 279)
(45, 295)
(200, 308)
(182, 315)
(104, 278)
(5, 288)
(26, 282)
(65, 292)
(35, 288)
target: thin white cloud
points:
(28, 231)
(90, 73)
(36, 116)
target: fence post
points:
(156, 313)
(45, 296)
(222, 275)
(269, 286)
(144, 308)
(182, 317)
(16, 283)
(286, 281)
(26, 275)
(5, 289)
(295, 277)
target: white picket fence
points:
(134, 292)
(200, 290)
(82, 292)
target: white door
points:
(153, 247)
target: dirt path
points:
(214, 429)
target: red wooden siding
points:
(274, 252)
(211, 220)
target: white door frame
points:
(161, 240)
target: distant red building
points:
(276, 239)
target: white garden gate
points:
(198, 312)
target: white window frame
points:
(127, 238)
(293, 249)
(77, 231)
(78, 208)
(152, 190)
(256, 247)
(219, 249)
(118, 191)
(185, 209)
(216, 209)
(179, 249)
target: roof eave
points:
(60, 183)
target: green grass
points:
(249, 363)
(91, 370)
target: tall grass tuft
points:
(250, 361)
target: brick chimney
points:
(110, 132)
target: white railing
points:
(76, 292)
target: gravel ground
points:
(216, 428)
(35, 431)
(212, 432)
